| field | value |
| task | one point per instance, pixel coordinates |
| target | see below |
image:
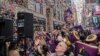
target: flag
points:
(67, 13)
(78, 27)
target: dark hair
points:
(70, 49)
(45, 49)
(13, 46)
(63, 34)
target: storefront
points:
(57, 25)
(39, 23)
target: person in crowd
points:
(60, 50)
(21, 46)
(54, 33)
(13, 50)
(15, 36)
(3, 48)
(64, 38)
(40, 45)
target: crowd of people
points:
(59, 42)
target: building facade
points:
(92, 19)
(47, 13)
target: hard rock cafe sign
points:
(97, 10)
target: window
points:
(31, 5)
(58, 15)
(38, 7)
(35, 7)
(41, 8)
(54, 1)
(54, 12)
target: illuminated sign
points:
(97, 9)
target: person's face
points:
(61, 47)
(22, 41)
(37, 40)
(15, 34)
(78, 30)
(66, 27)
